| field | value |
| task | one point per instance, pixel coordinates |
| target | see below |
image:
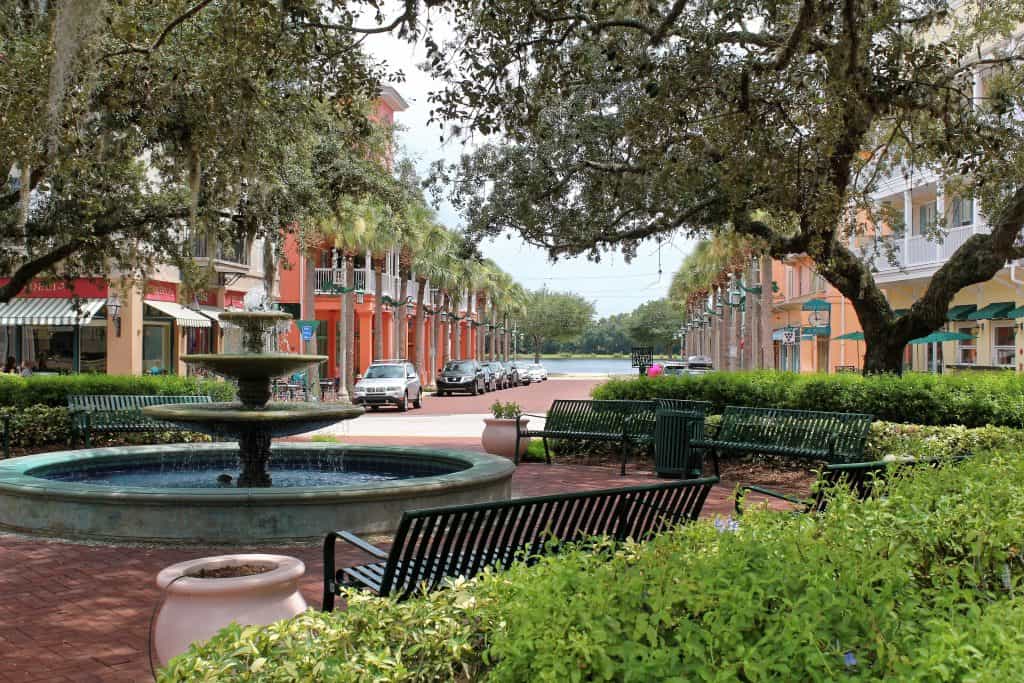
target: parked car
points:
(698, 365)
(461, 375)
(391, 382)
(536, 372)
(500, 374)
(490, 378)
(513, 373)
(674, 367)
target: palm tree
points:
(381, 238)
(514, 303)
(429, 262)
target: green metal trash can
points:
(674, 430)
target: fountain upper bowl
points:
(253, 366)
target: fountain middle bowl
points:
(232, 419)
(253, 366)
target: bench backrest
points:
(842, 435)
(598, 417)
(684, 405)
(460, 541)
(113, 402)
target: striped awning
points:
(22, 311)
(214, 313)
(185, 317)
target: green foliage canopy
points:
(554, 315)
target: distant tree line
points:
(653, 323)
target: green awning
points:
(960, 312)
(941, 336)
(823, 331)
(850, 336)
(816, 305)
(1016, 313)
(997, 311)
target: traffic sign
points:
(307, 328)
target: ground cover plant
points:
(969, 399)
(921, 584)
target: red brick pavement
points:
(76, 612)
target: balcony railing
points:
(329, 280)
(917, 250)
(235, 252)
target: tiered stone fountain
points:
(178, 492)
(252, 420)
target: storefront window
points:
(967, 350)
(156, 348)
(92, 352)
(50, 348)
(197, 339)
(1003, 345)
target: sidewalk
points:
(466, 426)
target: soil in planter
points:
(230, 572)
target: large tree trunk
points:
(378, 308)
(417, 332)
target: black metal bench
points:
(859, 477)
(119, 413)
(584, 420)
(800, 434)
(434, 544)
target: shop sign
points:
(207, 298)
(161, 291)
(84, 288)
(307, 328)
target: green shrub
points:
(919, 585)
(972, 400)
(53, 390)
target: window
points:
(49, 348)
(963, 212)
(1003, 345)
(92, 351)
(925, 218)
(967, 350)
(156, 348)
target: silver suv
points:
(389, 382)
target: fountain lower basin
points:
(32, 503)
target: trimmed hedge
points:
(969, 399)
(920, 585)
(53, 390)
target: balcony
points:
(234, 255)
(917, 255)
(330, 280)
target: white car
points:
(536, 372)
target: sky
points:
(613, 285)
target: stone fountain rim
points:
(255, 315)
(16, 480)
(233, 412)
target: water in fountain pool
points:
(186, 473)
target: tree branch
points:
(614, 167)
(141, 49)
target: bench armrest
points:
(773, 494)
(330, 578)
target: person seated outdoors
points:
(26, 368)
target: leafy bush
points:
(53, 390)
(972, 400)
(506, 411)
(919, 585)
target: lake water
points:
(601, 366)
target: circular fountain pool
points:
(179, 493)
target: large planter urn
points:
(204, 595)
(499, 437)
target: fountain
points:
(182, 493)
(252, 421)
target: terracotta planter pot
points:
(196, 608)
(499, 437)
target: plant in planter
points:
(499, 435)
(204, 595)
